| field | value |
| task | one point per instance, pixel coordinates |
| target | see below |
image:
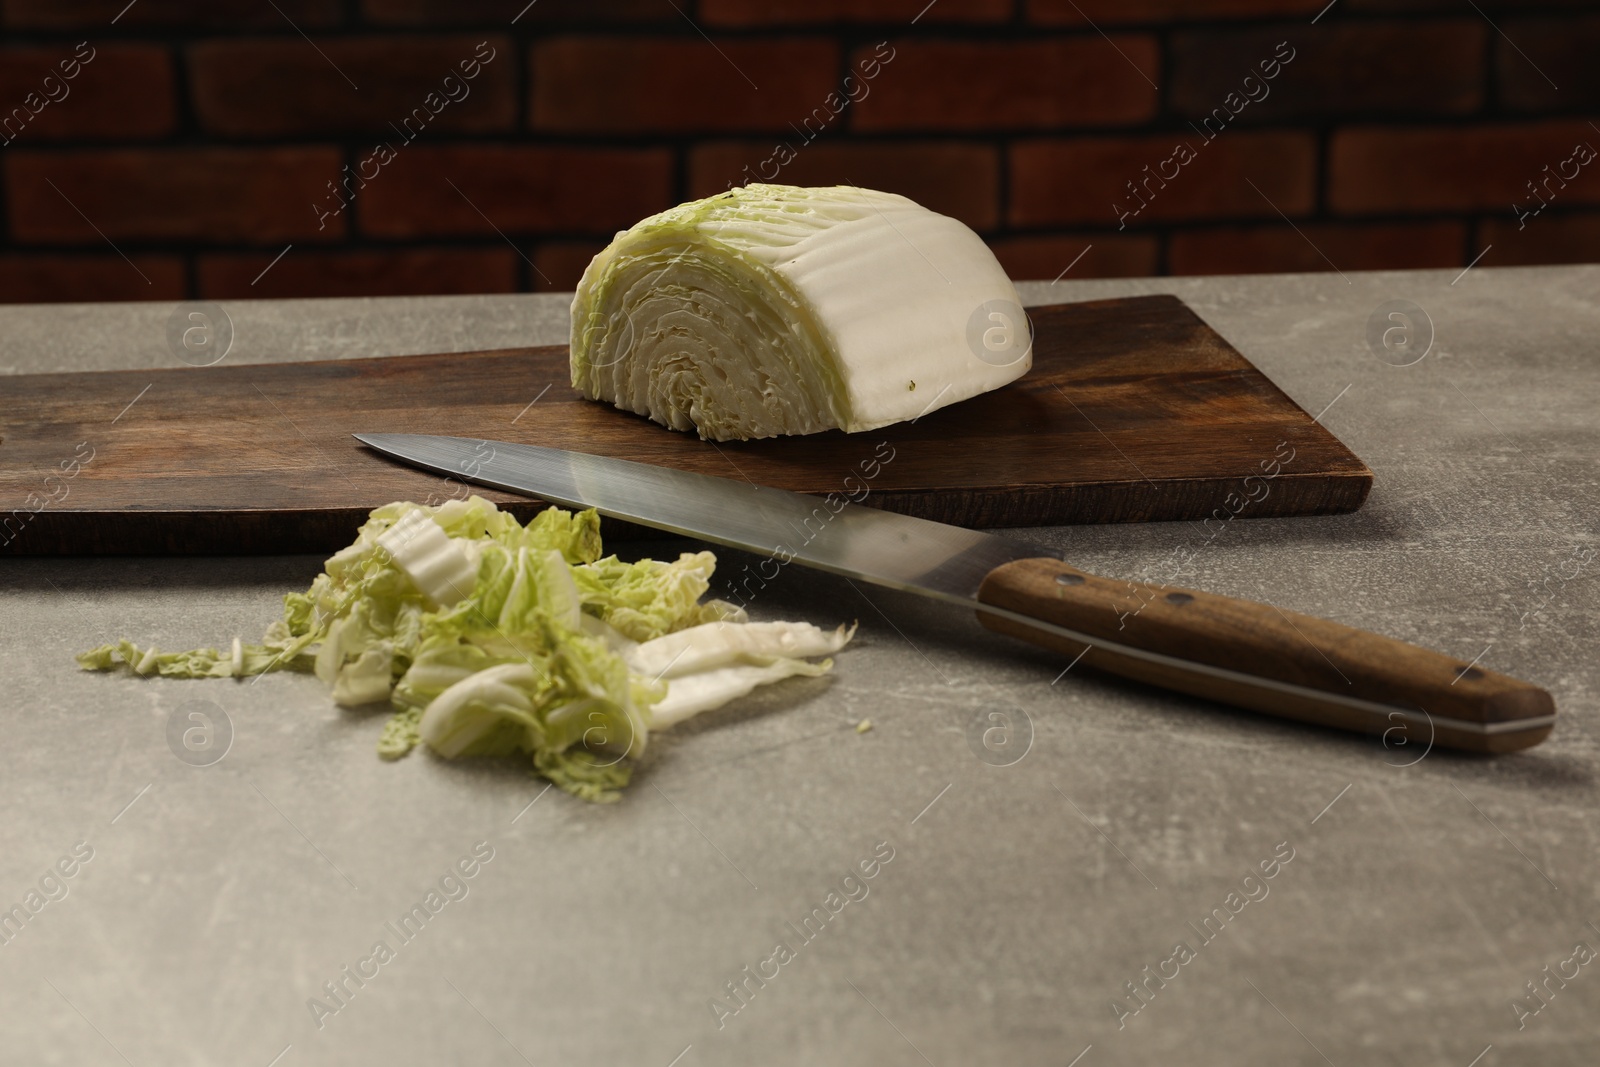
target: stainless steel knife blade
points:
(881, 547)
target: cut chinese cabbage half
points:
(774, 309)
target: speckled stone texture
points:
(1423, 889)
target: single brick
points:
(286, 87)
(1410, 67)
(959, 180)
(462, 190)
(1374, 170)
(738, 13)
(1549, 53)
(85, 91)
(518, 13)
(591, 85)
(393, 272)
(1131, 12)
(1547, 238)
(256, 196)
(1104, 180)
(982, 86)
(49, 278)
(1065, 257)
(97, 15)
(1273, 249)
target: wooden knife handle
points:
(1340, 676)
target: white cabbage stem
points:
(690, 695)
(708, 665)
(441, 568)
(717, 644)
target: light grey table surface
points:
(1019, 900)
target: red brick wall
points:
(235, 148)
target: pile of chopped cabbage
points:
(490, 638)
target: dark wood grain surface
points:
(1135, 410)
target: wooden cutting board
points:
(1134, 410)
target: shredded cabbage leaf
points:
(490, 638)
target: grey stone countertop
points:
(1415, 897)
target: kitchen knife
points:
(1251, 655)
